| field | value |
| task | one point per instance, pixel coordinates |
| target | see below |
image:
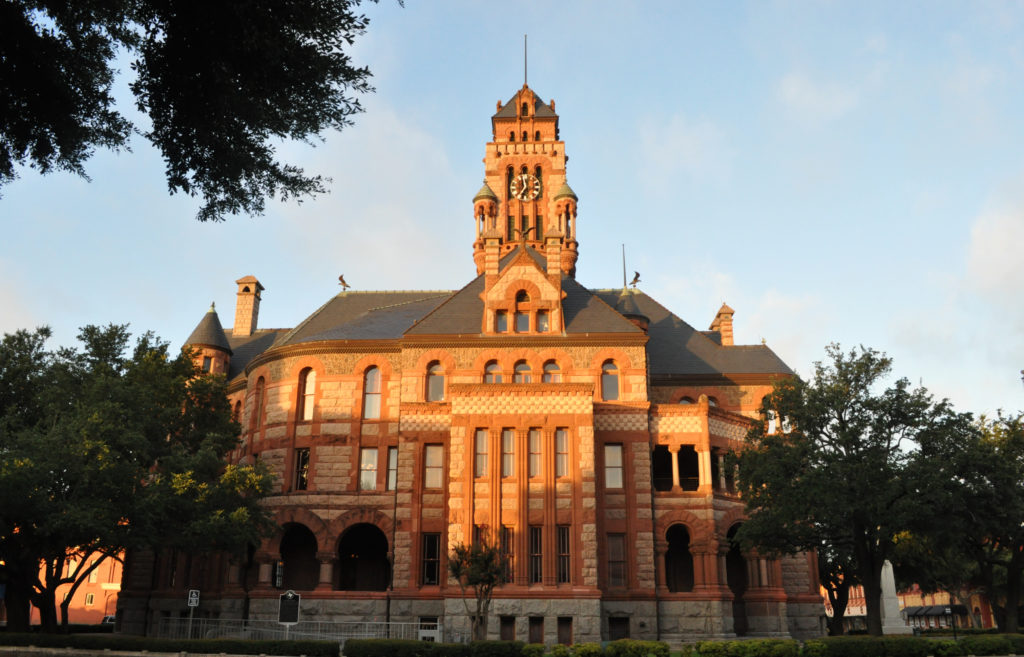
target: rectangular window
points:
(564, 561)
(565, 630)
(613, 466)
(508, 628)
(561, 452)
(535, 463)
(508, 453)
(480, 453)
(392, 468)
(617, 560)
(89, 599)
(431, 558)
(433, 466)
(302, 468)
(522, 322)
(524, 223)
(207, 363)
(536, 629)
(511, 227)
(542, 321)
(540, 227)
(536, 554)
(368, 468)
(507, 547)
(500, 321)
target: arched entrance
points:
(678, 560)
(301, 569)
(363, 559)
(736, 576)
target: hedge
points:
(139, 643)
(867, 646)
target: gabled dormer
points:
(520, 296)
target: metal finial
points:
(213, 307)
(623, 266)
(524, 60)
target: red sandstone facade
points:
(582, 430)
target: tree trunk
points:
(17, 601)
(839, 597)
(871, 579)
(46, 602)
(1012, 608)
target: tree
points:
(841, 469)
(480, 567)
(220, 82)
(107, 452)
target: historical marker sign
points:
(193, 597)
(288, 612)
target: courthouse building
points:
(582, 430)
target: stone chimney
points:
(247, 306)
(723, 324)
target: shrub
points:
(990, 644)
(139, 643)
(711, 648)
(533, 650)
(635, 648)
(496, 648)
(944, 648)
(560, 651)
(587, 650)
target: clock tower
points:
(525, 197)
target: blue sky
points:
(846, 172)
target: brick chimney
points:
(723, 324)
(247, 306)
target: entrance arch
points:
(363, 559)
(736, 576)
(298, 558)
(678, 560)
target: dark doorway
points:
(565, 630)
(298, 559)
(363, 559)
(536, 629)
(678, 560)
(689, 468)
(736, 576)
(508, 628)
(661, 467)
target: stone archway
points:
(736, 576)
(678, 560)
(300, 567)
(363, 563)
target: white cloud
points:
(995, 257)
(696, 149)
(818, 102)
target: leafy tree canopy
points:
(221, 83)
(844, 469)
(479, 567)
(107, 449)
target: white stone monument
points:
(892, 621)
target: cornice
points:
(324, 347)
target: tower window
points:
(613, 466)
(526, 109)
(302, 468)
(511, 135)
(371, 393)
(207, 363)
(561, 452)
(609, 381)
(522, 322)
(536, 136)
(307, 393)
(534, 445)
(500, 321)
(522, 372)
(480, 453)
(492, 372)
(435, 382)
(539, 173)
(510, 226)
(257, 407)
(433, 466)
(542, 321)
(508, 462)
(525, 137)
(551, 372)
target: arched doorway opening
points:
(736, 576)
(678, 560)
(299, 565)
(363, 559)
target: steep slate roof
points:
(246, 347)
(675, 347)
(209, 332)
(540, 109)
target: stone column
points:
(326, 582)
(704, 471)
(660, 552)
(673, 450)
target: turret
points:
(210, 343)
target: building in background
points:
(919, 610)
(583, 430)
(94, 599)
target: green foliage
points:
(560, 650)
(221, 83)
(995, 644)
(109, 449)
(533, 650)
(749, 648)
(479, 567)
(587, 650)
(194, 646)
(844, 474)
(496, 648)
(635, 648)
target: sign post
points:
(288, 610)
(193, 602)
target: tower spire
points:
(524, 60)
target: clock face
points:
(525, 187)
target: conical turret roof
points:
(209, 332)
(485, 193)
(565, 191)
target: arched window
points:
(522, 373)
(712, 401)
(609, 381)
(307, 393)
(522, 297)
(551, 373)
(237, 415)
(511, 135)
(539, 173)
(371, 394)
(525, 137)
(686, 400)
(678, 560)
(257, 405)
(435, 382)
(525, 109)
(536, 136)
(542, 321)
(492, 372)
(522, 317)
